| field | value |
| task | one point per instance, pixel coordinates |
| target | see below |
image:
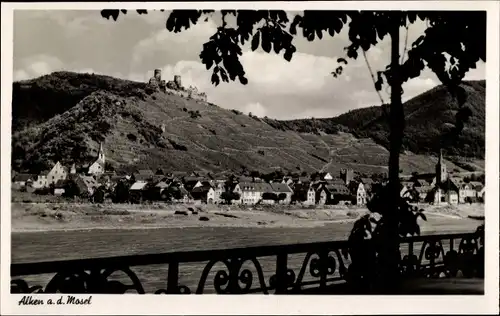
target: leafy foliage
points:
(229, 196)
(368, 237)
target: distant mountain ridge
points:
(428, 115)
(64, 116)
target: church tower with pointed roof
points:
(100, 155)
(441, 174)
(97, 167)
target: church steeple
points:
(100, 155)
(441, 174)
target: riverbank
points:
(32, 217)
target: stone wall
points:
(175, 87)
(187, 94)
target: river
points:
(61, 245)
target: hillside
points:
(428, 115)
(158, 130)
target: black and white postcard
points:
(300, 157)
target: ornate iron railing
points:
(317, 266)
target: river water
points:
(63, 245)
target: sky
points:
(132, 47)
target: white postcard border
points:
(260, 304)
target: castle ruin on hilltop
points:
(175, 87)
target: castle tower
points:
(441, 174)
(177, 80)
(100, 155)
(157, 75)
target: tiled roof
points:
(138, 185)
(280, 187)
(476, 185)
(89, 180)
(162, 185)
(201, 189)
(335, 181)
(23, 177)
(145, 172)
(337, 188)
(422, 182)
(367, 180)
(255, 186)
(423, 189)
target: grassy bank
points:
(70, 216)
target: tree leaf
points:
(296, 21)
(215, 79)
(289, 53)
(255, 41)
(423, 216)
(352, 53)
(243, 80)
(110, 13)
(266, 41)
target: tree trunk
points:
(389, 252)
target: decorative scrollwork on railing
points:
(431, 251)
(290, 279)
(469, 261)
(452, 264)
(181, 289)
(233, 280)
(324, 263)
(409, 265)
(321, 265)
(95, 282)
(21, 286)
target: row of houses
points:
(452, 190)
(320, 189)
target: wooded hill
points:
(63, 116)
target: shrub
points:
(132, 137)
(177, 146)
(194, 114)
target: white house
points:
(251, 192)
(311, 196)
(58, 172)
(323, 196)
(445, 193)
(40, 181)
(97, 168)
(361, 194)
(327, 176)
(22, 179)
(215, 192)
(282, 188)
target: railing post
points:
(323, 259)
(451, 244)
(281, 273)
(173, 278)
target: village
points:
(96, 185)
